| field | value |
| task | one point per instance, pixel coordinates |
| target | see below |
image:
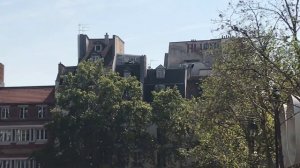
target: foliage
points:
(261, 56)
(100, 120)
(172, 114)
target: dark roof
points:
(69, 69)
(172, 76)
(27, 95)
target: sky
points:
(36, 35)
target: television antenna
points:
(151, 60)
(82, 28)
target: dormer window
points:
(98, 48)
(23, 112)
(160, 72)
(41, 111)
(126, 74)
(4, 112)
(160, 87)
(94, 58)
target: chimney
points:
(1, 75)
(106, 39)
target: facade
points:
(132, 65)
(105, 49)
(197, 56)
(111, 52)
(23, 113)
(161, 78)
(201, 53)
(63, 70)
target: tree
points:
(100, 121)
(268, 31)
(172, 116)
(236, 96)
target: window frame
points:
(160, 73)
(98, 48)
(23, 113)
(4, 112)
(42, 111)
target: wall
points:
(193, 51)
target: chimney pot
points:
(106, 39)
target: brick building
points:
(23, 113)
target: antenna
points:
(82, 28)
(151, 62)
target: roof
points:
(27, 95)
(217, 39)
(172, 76)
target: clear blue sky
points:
(35, 35)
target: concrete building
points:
(197, 56)
(111, 52)
(200, 52)
(132, 65)
(105, 49)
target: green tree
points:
(263, 58)
(237, 94)
(100, 121)
(172, 116)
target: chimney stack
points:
(106, 39)
(1, 75)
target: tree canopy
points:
(100, 120)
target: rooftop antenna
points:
(149, 67)
(82, 28)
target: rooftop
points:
(27, 95)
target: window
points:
(23, 112)
(160, 87)
(98, 48)
(22, 135)
(160, 72)
(126, 73)
(42, 111)
(18, 163)
(4, 112)
(5, 164)
(41, 134)
(6, 135)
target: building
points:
(197, 56)
(24, 112)
(162, 78)
(132, 65)
(111, 52)
(195, 52)
(105, 49)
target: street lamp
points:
(278, 144)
